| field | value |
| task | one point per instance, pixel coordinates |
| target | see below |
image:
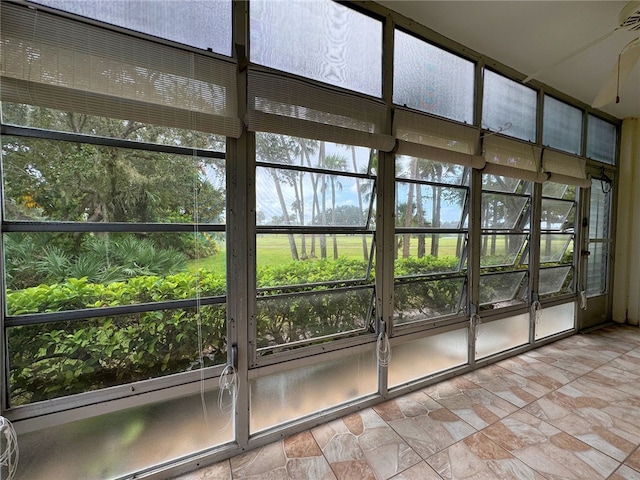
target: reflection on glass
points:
(290, 197)
(503, 211)
(63, 358)
(298, 258)
(432, 80)
(554, 246)
(597, 268)
(556, 319)
(324, 41)
(557, 215)
(115, 445)
(294, 393)
(430, 171)
(429, 206)
(562, 126)
(557, 190)
(555, 280)
(67, 271)
(48, 180)
(427, 299)
(204, 24)
(509, 106)
(299, 317)
(500, 250)
(425, 356)
(501, 335)
(498, 183)
(501, 289)
(421, 254)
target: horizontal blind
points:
(435, 139)
(289, 106)
(511, 158)
(567, 169)
(61, 63)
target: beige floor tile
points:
(625, 473)
(475, 405)
(553, 453)
(537, 371)
(423, 423)
(420, 471)
(218, 471)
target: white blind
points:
(567, 169)
(60, 63)
(434, 139)
(511, 158)
(285, 105)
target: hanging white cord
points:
(583, 300)
(228, 382)
(9, 453)
(383, 347)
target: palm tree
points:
(338, 163)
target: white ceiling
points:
(530, 36)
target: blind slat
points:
(513, 159)
(566, 169)
(439, 154)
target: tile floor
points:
(568, 410)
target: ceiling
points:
(530, 36)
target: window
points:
(599, 237)
(321, 40)
(204, 24)
(432, 80)
(601, 140)
(508, 107)
(562, 126)
(314, 241)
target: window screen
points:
(432, 80)
(601, 140)
(509, 107)
(562, 128)
(321, 40)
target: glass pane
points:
(300, 317)
(498, 183)
(501, 250)
(429, 205)
(601, 140)
(553, 247)
(501, 335)
(290, 197)
(68, 271)
(555, 190)
(503, 211)
(501, 289)
(115, 445)
(323, 40)
(557, 215)
(423, 300)
(287, 150)
(63, 358)
(204, 24)
(555, 280)
(555, 319)
(47, 180)
(599, 211)
(340, 381)
(72, 122)
(509, 107)
(425, 356)
(292, 259)
(422, 254)
(562, 126)
(597, 267)
(432, 80)
(430, 171)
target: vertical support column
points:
(4, 372)
(534, 253)
(240, 233)
(385, 218)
